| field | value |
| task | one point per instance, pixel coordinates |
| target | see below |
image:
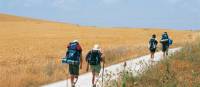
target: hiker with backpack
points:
(94, 58)
(153, 45)
(74, 59)
(166, 42)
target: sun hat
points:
(96, 47)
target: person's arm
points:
(103, 60)
(67, 51)
(87, 67)
(149, 43)
(156, 42)
(102, 57)
(81, 56)
(66, 54)
(86, 59)
(81, 61)
(161, 39)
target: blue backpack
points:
(72, 54)
(170, 41)
(164, 39)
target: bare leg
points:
(72, 80)
(93, 77)
(152, 55)
(167, 51)
(164, 54)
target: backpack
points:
(165, 36)
(152, 44)
(73, 54)
(164, 39)
(94, 57)
(170, 41)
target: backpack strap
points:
(79, 47)
(88, 55)
(152, 40)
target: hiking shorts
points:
(152, 50)
(165, 48)
(95, 68)
(74, 69)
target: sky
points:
(175, 14)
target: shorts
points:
(165, 48)
(95, 68)
(152, 50)
(74, 69)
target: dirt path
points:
(135, 65)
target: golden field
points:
(30, 49)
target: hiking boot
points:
(73, 85)
(152, 60)
(94, 85)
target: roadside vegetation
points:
(182, 69)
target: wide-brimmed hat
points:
(96, 47)
(74, 41)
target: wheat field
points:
(30, 48)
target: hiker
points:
(94, 58)
(153, 45)
(165, 43)
(74, 59)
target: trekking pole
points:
(65, 69)
(123, 78)
(102, 74)
(67, 75)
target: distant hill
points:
(6, 17)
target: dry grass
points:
(29, 48)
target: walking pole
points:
(124, 80)
(67, 69)
(102, 74)
(67, 74)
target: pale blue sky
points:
(177, 14)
